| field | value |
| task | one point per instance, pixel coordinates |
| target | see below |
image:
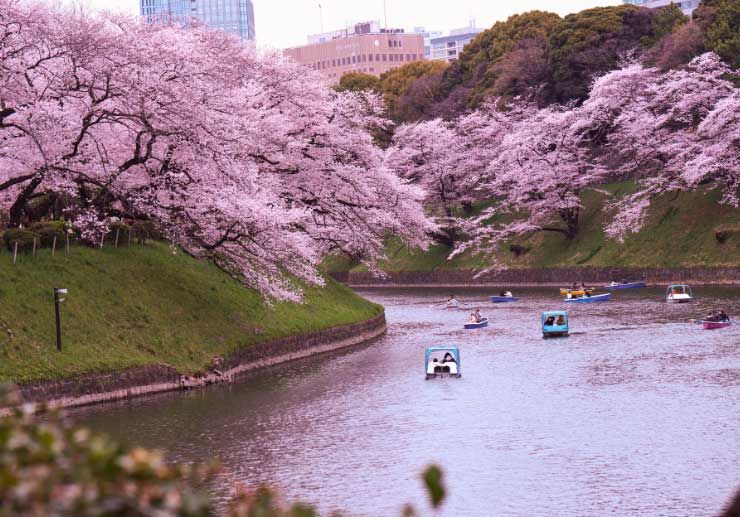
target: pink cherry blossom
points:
(238, 156)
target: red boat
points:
(708, 325)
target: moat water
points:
(636, 413)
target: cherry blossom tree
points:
(238, 156)
(679, 131)
(534, 176)
(429, 154)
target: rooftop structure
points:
(448, 48)
(365, 47)
(687, 6)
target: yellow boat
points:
(576, 292)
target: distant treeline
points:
(541, 57)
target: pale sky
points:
(286, 23)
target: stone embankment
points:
(109, 386)
(544, 277)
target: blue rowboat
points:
(482, 323)
(503, 299)
(590, 299)
(554, 324)
(626, 285)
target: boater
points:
(478, 317)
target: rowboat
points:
(441, 362)
(709, 325)
(454, 304)
(679, 293)
(554, 324)
(590, 299)
(482, 323)
(576, 292)
(503, 299)
(626, 285)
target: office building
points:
(365, 47)
(428, 36)
(447, 48)
(233, 16)
(687, 6)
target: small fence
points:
(28, 243)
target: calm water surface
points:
(637, 413)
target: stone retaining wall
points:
(103, 387)
(546, 277)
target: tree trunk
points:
(15, 214)
(570, 217)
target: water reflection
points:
(637, 413)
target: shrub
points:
(23, 237)
(723, 33)
(679, 47)
(47, 230)
(51, 468)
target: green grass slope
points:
(680, 232)
(143, 305)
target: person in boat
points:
(473, 318)
(508, 294)
(587, 293)
(478, 317)
(448, 358)
(451, 300)
(613, 283)
(502, 293)
(722, 316)
(561, 321)
(433, 364)
(712, 316)
(574, 287)
(550, 321)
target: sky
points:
(286, 23)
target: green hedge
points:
(21, 236)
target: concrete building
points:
(233, 16)
(447, 48)
(428, 37)
(687, 6)
(363, 48)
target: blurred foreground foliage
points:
(49, 468)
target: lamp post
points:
(58, 300)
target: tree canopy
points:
(358, 82)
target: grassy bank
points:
(143, 305)
(680, 232)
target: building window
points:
(452, 52)
(371, 57)
(385, 57)
(377, 57)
